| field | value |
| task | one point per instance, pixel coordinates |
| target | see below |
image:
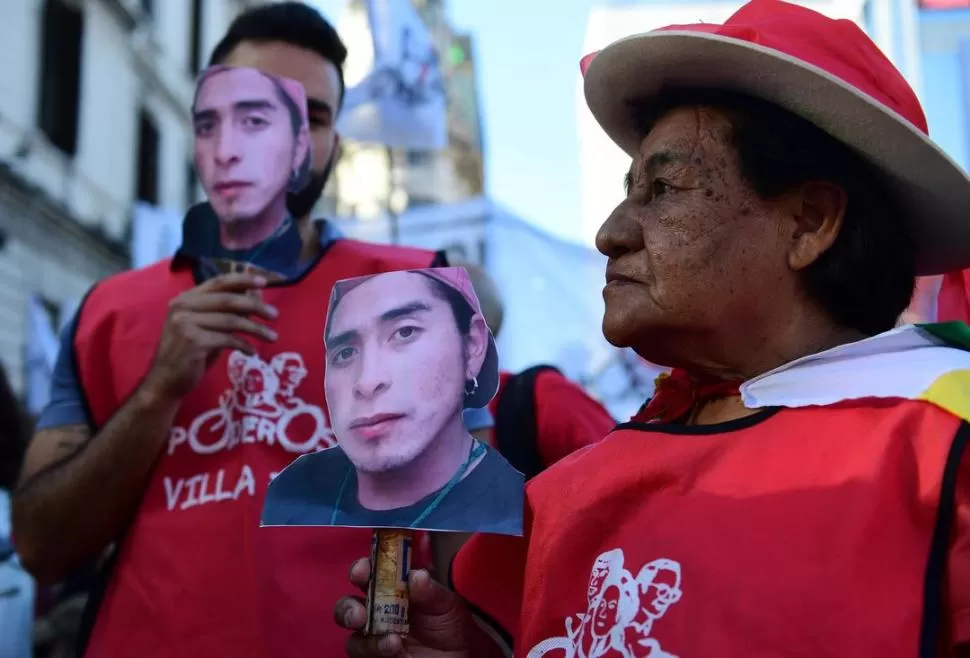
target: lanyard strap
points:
(477, 450)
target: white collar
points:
(900, 363)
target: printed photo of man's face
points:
(251, 142)
(403, 350)
(407, 353)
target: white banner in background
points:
(401, 103)
(155, 234)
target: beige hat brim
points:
(933, 190)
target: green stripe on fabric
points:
(954, 334)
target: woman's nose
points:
(619, 234)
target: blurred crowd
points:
(34, 620)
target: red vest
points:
(953, 300)
(195, 576)
(808, 532)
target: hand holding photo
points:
(252, 149)
(407, 352)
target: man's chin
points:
(233, 215)
(377, 468)
(375, 464)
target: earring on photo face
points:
(471, 384)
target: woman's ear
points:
(819, 211)
(476, 345)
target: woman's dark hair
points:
(15, 429)
(865, 280)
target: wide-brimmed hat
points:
(457, 279)
(824, 70)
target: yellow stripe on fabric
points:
(951, 391)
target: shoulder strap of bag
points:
(516, 426)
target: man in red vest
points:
(799, 485)
(180, 394)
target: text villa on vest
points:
(261, 407)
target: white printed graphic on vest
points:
(261, 407)
(620, 612)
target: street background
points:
(95, 153)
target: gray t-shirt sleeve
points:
(66, 404)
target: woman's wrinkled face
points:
(692, 247)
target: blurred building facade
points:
(369, 180)
(93, 117)
(893, 24)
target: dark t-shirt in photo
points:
(489, 499)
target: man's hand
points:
(79, 493)
(201, 323)
(440, 624)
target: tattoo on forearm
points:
(64, 444)
(70, 439)
(70, 446)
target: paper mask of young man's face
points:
(251, 142)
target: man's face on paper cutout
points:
(397, 366)
(251, 142)
(321, 79)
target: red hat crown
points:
(837, 46)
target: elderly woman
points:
(798, 484)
